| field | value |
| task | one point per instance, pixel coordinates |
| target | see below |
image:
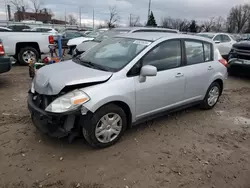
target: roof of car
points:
(153, 36)
(211, 33)
(143, 28)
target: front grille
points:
(243, 57)
(244, 48)
(42, 101)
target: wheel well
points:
(21, 45)
(126, 109)
(220, 82)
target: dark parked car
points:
(239, 57)
(5, 62)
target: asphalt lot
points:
(188, 149)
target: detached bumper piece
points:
(56, 125)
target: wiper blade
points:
(93, 65)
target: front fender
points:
(122, 90)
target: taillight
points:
(224, 62)
(51, 39)
(2, 53)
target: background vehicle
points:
(68, 35)
(239, 57)
(116, 31)
(26, 45)
(223, 41)
(5, 29)
(18, 27)
(5, 62)
(43, 29)
(72, 43)
(123, 81)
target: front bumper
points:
(5, 64)
(55, 124)
(237, 62)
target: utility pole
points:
(149, 7)
(130, 20)
(93, 19)
(80, 16)
(6, 9)
(65, 18)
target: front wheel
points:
(212, 96)
(105, 127)
(26, 54)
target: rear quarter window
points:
(198, 52)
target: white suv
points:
(223, 41)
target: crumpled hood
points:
(78, 40)
(83, 47)
(51, 79)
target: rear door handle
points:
(179, 75)
(210, 68)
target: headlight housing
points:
(68, 102)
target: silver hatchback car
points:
(123, 81)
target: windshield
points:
(207, 35)
(109, 34)
(93, 34)
(73, 34)
(113, 54)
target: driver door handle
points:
(179, 75)
(210, 68)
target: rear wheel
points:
(26, 54)
(105, 127)
(212, 96)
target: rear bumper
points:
(54, 124)
(5, 64)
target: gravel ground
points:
(188, 149)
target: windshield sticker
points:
(142, 42)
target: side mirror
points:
(147, 70)
(217, 42)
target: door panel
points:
(160, 92)
(199, 69)
(166, 89)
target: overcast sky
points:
(188, 9)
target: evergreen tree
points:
(193, 27)
(151, 20)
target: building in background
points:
(42, 16)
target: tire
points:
(205, 103)
(95, 121)
(29, 50)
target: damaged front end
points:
(57, 125)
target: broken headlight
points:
(68, 102)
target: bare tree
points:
(114, 17)
(219, 24)
(72, 20)
(238, 18)
(181, 25)
(18, 4)
(134, 21)
(208, 25)
(36, 5)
